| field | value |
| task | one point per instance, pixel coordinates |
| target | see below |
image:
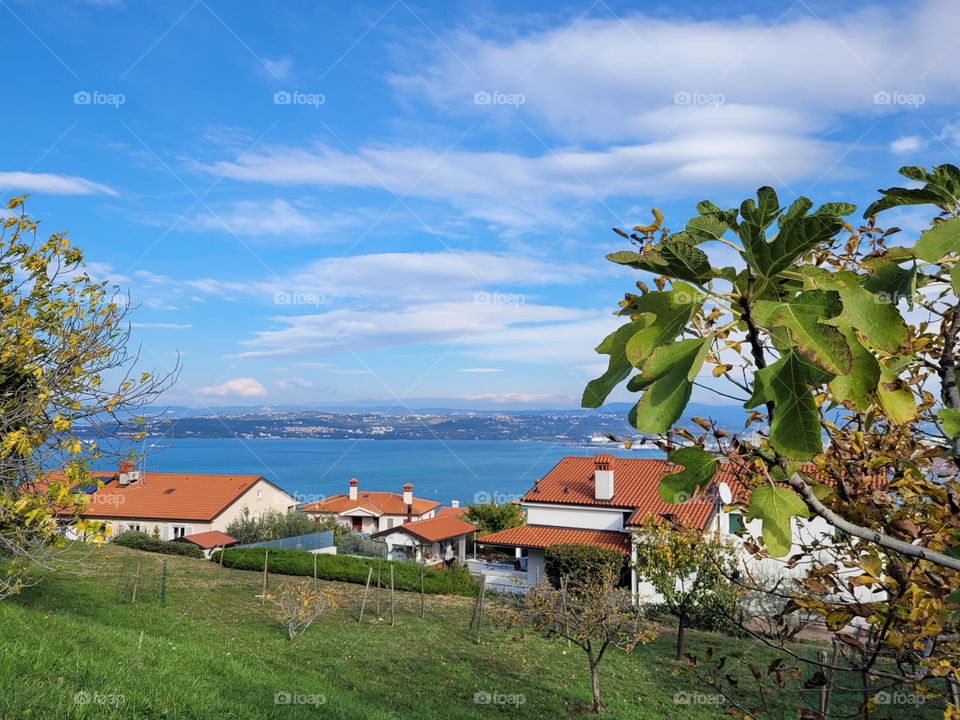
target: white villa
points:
(371, 512)
(599, 500)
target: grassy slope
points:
(214, 651)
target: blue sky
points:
(327, 203)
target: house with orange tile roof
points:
(177, 504)
(598, 501)
(372, 511)
(601, 500)
(431, 542)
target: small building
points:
(372, 511)
(209, 541)
(431, 542)
(174, 505)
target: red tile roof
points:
(209, 540)
(168, 496)
(452, 511)
(543, 536)
(376, 503)
(635, 487)
(434, 529)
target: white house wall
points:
(573, 517)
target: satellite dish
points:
(725, 494)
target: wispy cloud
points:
(52, 184)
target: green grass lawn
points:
(75, 647)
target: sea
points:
(470, 471)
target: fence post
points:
(223, 551)
(163, 583)
(365, 591)
(421, 589)
(378, 586)
(136, 583)
(393, 602)
(315, 571)
(266, 571)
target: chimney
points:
(126, 472)
(603, 477)
(408, 500)
(454, 503)
(354, 485)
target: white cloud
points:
(481, 370)
(238, 387)
(515, 397)
(355, 330)
(907, 144)
(162, 326)
(270, 218)
(405, 277)
(619, 77)
(52, 184)
(521, 192)
(295, 384)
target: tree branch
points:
(890, 543)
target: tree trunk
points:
(681, 633)
(595, 684)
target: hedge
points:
(582, 564)
(143, 541)
(345, 568)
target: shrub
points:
(271, 525)
(406, 576)
(148, 543)
(583, 565)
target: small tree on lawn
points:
(594, 616)
(491, 517)
(688, 568)
(299, 604)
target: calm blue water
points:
(442, 470)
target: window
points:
(178, 531)
(736, 524)
(259, 494)
(389, 523)
(134, 527)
